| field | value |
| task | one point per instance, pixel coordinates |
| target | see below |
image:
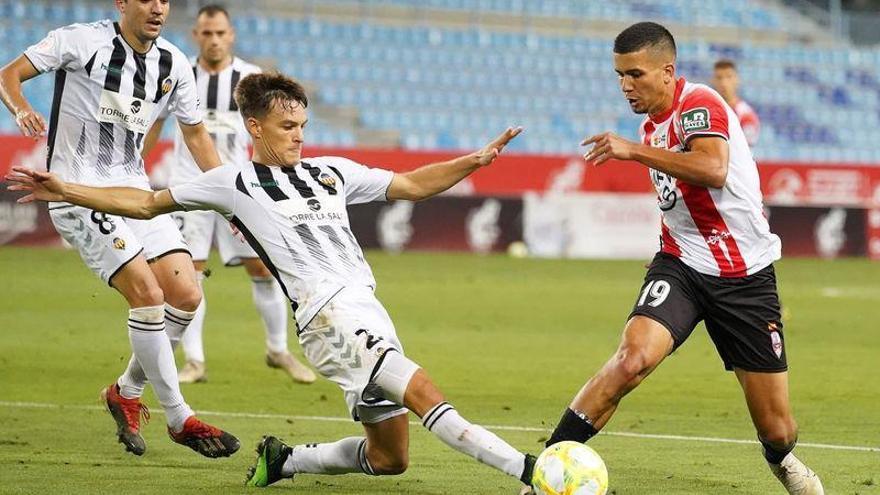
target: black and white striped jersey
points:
(107, 97)
(296, 220)
(221, 117)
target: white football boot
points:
(192, 372)
(286, 361)
(796, 477)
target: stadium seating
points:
(452, 87)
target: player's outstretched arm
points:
(703, 164)
(434, 178)
(200, 145)
(124, 201)
(31, 123)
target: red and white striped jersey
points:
(748, 120)
(720, 232)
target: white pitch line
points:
(336, 419)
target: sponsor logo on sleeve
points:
(695, 120)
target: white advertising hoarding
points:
(591, 225)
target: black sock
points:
(572, 426)
(774, 455)
(528, 470)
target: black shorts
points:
(742, 315)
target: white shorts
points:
(201, 228)
(347, 342)
(108, 242)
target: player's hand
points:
(606, 146)
(31, 123)
(42, 186)
(491, 151)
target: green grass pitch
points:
(509, 341)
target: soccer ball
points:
(570, 468)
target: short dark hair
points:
(725, 63)
(642, 35)
(256, 94)
(213, 9)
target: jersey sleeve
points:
(184, 101)
(361, 184)
(60, 49)
(703, 113)
(212, 190)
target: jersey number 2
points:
(658, 290)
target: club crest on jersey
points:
(327, 180)
(119, 243)
(695, 120)
(314, 204)
(135, 106)
(166, 85)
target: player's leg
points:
(272, 304)
(198, 230)
(767, 398)
(158, 367)
(153, 357)
(112, 250)
(744, 322)
(173, 270)
(664, 315)
(270, 301)
(177, 276)
(644, 345)
(194, 369)
(438, 416)
(352, 342)
(383, 451)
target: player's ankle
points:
(572, 426)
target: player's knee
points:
(389, 465)
(186, 298)
(146, 295)
(631, 364)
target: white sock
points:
(272, 306)
(133, 380)
(474, 440)
(193, 346)
(176, 322)
(344, 456)
(154, 361)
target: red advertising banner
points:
(515, 174)
(818, 209)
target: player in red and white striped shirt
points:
(725, 80)
(716, 259)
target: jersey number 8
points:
(104, 222)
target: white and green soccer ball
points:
(570, 468)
